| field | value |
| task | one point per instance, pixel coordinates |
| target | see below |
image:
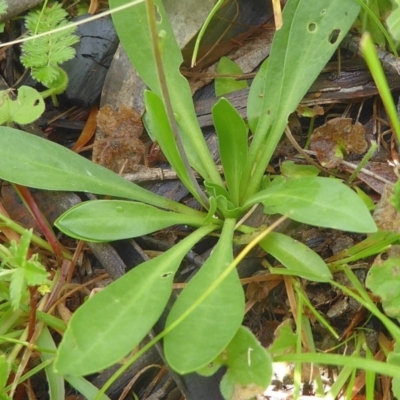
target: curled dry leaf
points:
(120, 147)
(337, 137)
(94, 6)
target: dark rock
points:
(88, 69)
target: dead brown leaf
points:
(337, 137)
(88, 130)
(120, 148)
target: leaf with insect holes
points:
(24, 109)
(311, 32)
(249, 367)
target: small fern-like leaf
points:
(46, 74)
(51, 18)
(61, 55)
(34, 53)
(44, 54)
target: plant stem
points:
(217, 6)
(30, 203)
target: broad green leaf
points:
(53, 167)
(140, 53)
(310, 34)
(108, 220)
(199, 338)
(317, 201)
(110, 324)
(159, 126)
(224, 85)
(249, 367)
(232, 143)
(27, 107)
(383, 280)
(296, 257)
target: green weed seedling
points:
(18, 272)
(24, 108)
(211, 307)
(43, 55)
